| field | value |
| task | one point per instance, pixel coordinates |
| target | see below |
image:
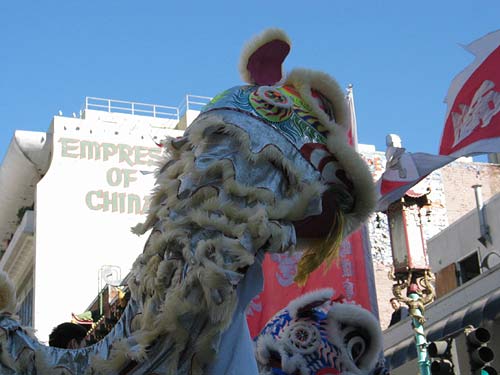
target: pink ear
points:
(264, 65)
(262, 57)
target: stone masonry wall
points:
(458, 179)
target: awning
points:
(476, 313)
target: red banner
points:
(348, 277)
(472, 122)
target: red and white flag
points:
(472, 124)
(404, 170)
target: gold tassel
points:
(324, 250)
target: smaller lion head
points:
(314, 335)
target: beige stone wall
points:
(458, 179)
(384, 293)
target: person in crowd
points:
(399, 313)
(68, 336)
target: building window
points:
(26, 310)
(456, 274)
(446, 280)
(468, 268)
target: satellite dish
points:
(110, 275)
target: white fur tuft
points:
(308, 298)
(358, 172)
(344, 315)
(304, 80)
(364, 193)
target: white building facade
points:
(69, 198)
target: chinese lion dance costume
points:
(262, 165)
(316, 334)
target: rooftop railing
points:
(191, 102)
(132, 108)
(194, 102)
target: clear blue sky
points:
(400, 56)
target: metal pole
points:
(420, 339)
(483, 225)
(479, 206)
(352, 112)
(100, 303)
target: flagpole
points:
(352, 115)
(365, 236)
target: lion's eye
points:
(302, 337)
(271, 103)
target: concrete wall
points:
(460, 239)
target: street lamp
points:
(411, 266)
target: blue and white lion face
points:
(315, 336)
